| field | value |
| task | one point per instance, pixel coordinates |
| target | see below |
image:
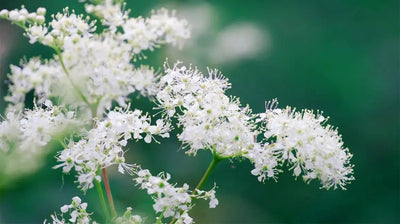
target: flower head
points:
(170, 200)
(103, 145)
(312, 149)
(76, 211)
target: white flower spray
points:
(310, 148)
(90, 79)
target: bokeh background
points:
(339, 56)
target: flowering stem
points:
(159, 220)
(102, 200)
(109, 195)
(70, 80)
(216, 159)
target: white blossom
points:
(69, 25)
(24, 137)
(76, 211)
(209, 118)
(162, 27)
(22, 17)
(128, 218)
(34, 75)
(93, 70)
(110, 12)
(310, 148)
(170, 200)
(103, 145)
(89, 69)
(208, 195)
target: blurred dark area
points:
(341, 57)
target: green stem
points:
(159, 220)
(102, 200)
(70, 80)
(216, 159)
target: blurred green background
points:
(341, 57)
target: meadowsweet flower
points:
(22, 17)
(208, 195)
(311, 149)
(161, 27)
(37, 34)
(32, 75)
(24, 137)
(102, 146)
(92, 73)
(212, 120)
(111, 13)
(77, 213)
(128, 218)
(69, 25)
(168, 28)
(209, 118)
(97, 67)
(265, 160)
(169, 200)
(93, 70)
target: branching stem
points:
(215, 160)
(159, 220)
(70, 80)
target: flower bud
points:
(41, 11)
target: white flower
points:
(168, 28)
(32, 75)
(21, 16)
(41, 11)
(147, 33)
(24, 137)
(170, 200)
(209, 118)
(110, 11)
(208, 195)
(68, 24)
(4, 13)
(128, 218)
(76, 211)
(102, 146)
(36, 33)
(310, 148)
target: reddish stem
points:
(109, 195)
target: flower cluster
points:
(91, 76)
(128, 218)
(210, 119)
(169, 200)
(24, 137)
(310, 148)
(97, 66)
(102, 146)
(77, 212)
(23, 17)
(32, 75)
(140, 33)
